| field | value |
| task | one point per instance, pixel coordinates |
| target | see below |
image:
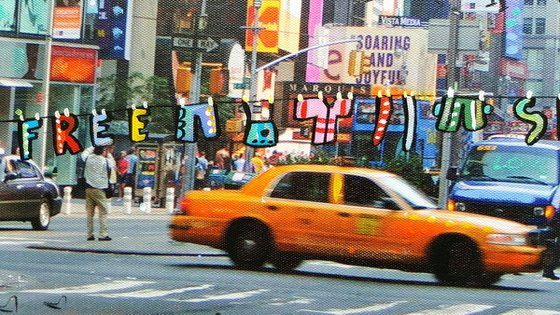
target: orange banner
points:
(269, 17)
(71, 64)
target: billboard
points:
(22, 60)
(289, 28)
(397, 56)
(314, 24)
(34, 17)
(67, 22)
(72, 64)
(269, 18)
(7, 15)
(112, 28)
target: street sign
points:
(206, 44)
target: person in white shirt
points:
(97, 170)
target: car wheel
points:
(285, 261)
(489, 279)
(458, 263)
(249, 245)
(43, 218)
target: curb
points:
(123, 252)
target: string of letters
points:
(451, 113)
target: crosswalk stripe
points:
(370, 308)
(92, 288)
(153, 293)
(227, 296)
(459, 309)
(526, 311)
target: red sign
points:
(72, 64)
(514, 69)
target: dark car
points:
(25, 194)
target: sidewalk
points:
(153, 242)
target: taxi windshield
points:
(413, 196)
(520, 164)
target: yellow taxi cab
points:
(355, 216)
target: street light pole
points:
(447, 141)
(191, 148)
(249, 151)
(42, 162)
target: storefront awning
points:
(15, 83)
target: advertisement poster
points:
(7, 14)
(72, 64)
(34, 16)
(67, 19)
(22, 61)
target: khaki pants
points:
(95, 198)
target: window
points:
(528, 26)
(529, 2)
(541, 2)
(362, 191)
(308, 186)
(25, 169)
(540, 25)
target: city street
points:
(142, 272)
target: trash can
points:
(236, 180)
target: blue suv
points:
(504, 177)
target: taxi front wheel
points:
(248, 245)
(458, 262)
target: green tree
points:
(136, 90)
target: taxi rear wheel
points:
(248, 245)
(458, 262)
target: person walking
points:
(552, 253)
(130, 178)
(201, 168)
(97, 172)
(122, 170)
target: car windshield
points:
(413, 196)
(519, 164)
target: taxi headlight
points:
(507, 239)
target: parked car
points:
(356, 216)
(25, 194)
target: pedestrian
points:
(122, 170)
(239, 163)
(257, 163)
(97, 172)
(552, 253)
(130, 180)
(201, 168)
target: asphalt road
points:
(54, 272)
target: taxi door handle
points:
(344, 214)
(273, 208)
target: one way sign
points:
(205, 44)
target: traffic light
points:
(219, 81)
(183, 80)
(359, 63)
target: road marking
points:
(19, 242)
(152, 293)
(526, 311)
(370, 308)
(459, 309)
(228, 296)
(93, 288)
(280, 302)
